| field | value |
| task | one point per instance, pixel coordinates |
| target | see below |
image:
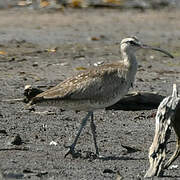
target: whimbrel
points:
(96, 88)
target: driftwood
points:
(168, 115)
(176, 126)
(138, 101)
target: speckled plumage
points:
(95, 88)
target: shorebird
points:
(96, 88)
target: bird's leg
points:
(72, 146)
(93, 129)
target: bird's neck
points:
(129, 60)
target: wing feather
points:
(92, 84)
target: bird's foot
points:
(90, 155)
(72, 152)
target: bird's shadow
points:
(91, 156)
(113, 157)
(169, 176)
(138, 101)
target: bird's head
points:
(132, 44)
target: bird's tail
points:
(30, 93)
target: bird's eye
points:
(132, 43)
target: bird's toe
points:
(72, 152)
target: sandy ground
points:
(42, 49)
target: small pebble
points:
(53, 143)
(3, 131)
(173, 167)
(35, 64)
(98, 63)
(108, 171)
(16, 140)
(64, 64)
(151, 57)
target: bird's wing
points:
(94, 83)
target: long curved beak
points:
(144, 46)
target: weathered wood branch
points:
(168, 115)
(176, 126)
(138, 101)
